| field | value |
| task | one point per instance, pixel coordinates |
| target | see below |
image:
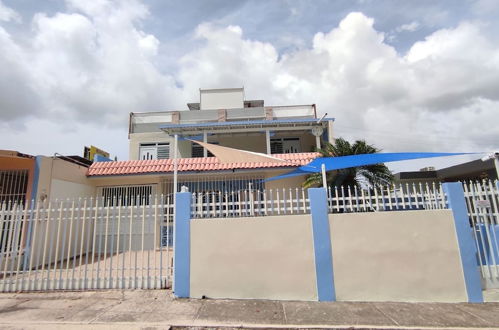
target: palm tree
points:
(361, 176)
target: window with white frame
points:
(285, 145)
(149, 151)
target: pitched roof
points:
(192, 164)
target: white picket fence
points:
(289, 201)
(482, 199)
(86, 244)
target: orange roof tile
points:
(192, 164)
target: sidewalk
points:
(157, 309)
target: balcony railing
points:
(150, 121)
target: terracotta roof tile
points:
(191, 164)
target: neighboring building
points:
(474, 170)
(24, 177)
(17, 173)
(221, 117)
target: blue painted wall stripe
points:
(34, 192)
(36, 177)
(181, 246)
(322, 245)
(457, 203)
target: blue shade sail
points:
(338, 163)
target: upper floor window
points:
(198, 150)
(148, 151)
(285, 145)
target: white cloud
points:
(439, 96)
(410, 27)
(8, 14)
(87, 68)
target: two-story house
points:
(222, 117)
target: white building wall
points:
(231, 98)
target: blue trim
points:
(34, 192)
(36, 176)
(244, 123)
(322, 245)
(467, 248)
(99, 158)
(181, 245)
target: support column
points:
(205, 140)
(318, 142)
(322, 245)
(456, 202)
(181, 245)
(267, 141)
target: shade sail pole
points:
(175, 164)
(323, 170)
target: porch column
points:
(181, 245)
(205, 140)
(267, 141)
(318, 142)
(321, 235)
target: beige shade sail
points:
(231, 155)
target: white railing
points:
(289, 201)
(86, 244)
(249, 203)
(482, 200)
(386, 198)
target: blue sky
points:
(404, 75)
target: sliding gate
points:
(104, 243)
(482, 199)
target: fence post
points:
(322, 245)
(467, 248)
(181, 245)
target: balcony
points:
(151, 121)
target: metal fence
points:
(386, 198)
(249, 203)
(120, 242)
(13, 185)
(289, 201)
(86, 244)
(482, 199)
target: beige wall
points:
(293, 182)
(251, 258)
(250, 142)
(62, 179)
(396, 256)
(222, 98)
(67, 189)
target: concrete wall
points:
(230, 98)
(270, 258)
(62, 179)
(249, 142)
(397, 256)
(410, 256)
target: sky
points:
(402, 75)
